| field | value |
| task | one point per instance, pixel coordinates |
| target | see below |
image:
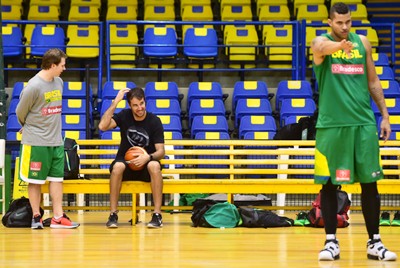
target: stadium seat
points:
(212, 135)
(227, 3)
(200, 43)
(395, 135)
(394, 121)
(274, 13)
(392, 104)
(249, 89)
(391, 88)
(206, 107)
(11, 11)
(358, 11)
(197, 12)
(159, 3)
(261, 3)
(380, 59)
(17, 88)
(162, 90)
(95, 3)
(122, 3)
(105, 104)
(292, 119)
(204, 90)
(12, 124)
(172, 135)
(111, 135)
(209, 123)
(160, 42)
(14, 136)
(84, 13)
(278, 43)
(73, 121)
(12, 106)
(289, 89)
(163, 106)
(111, 88)
(83, 41)
(45, 2)
(259, 135)
(312, 12)
(253, 123)
(251, 106)
(245, 55)
(370, 33)
(75, 106)
(311, 33)
(76, 90)
(43, 12)
(297, 3)
(296, 107)
(171, 123)
(160, 12)
(236, 12)
(121, 12)
(44, 38)
(13, 45)
(123, 45)
(384, 72)
(74, 134)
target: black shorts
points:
(133, 175)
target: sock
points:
(330, 237)
(57, 217)
(377, 237)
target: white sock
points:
(377, 236)
(330, 237)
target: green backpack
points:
(222, 215)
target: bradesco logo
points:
(347, 68)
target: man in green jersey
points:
(347, 147)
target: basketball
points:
(131, 154)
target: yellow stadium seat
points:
(358, 12)
(279, 49)
(241, 35)
(94, 3)
(230, 13)
(260, 3)
(121, 55)
(274, 12)
(311, 33)
(84, 13)
(45, 3)
(185, 3)
(317, 12)
(158, 3)
(225, 3)
(370, 33)
(298, 3)
(121, 12)
(161, 12)
(346, 1)
(83, 41)
(274, 27)
(11, 12)
(38, 12)
(122, 3)
(197, 13)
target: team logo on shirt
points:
(51, 110)
(36, 166)
(54, 95)
(347, 68)
(342, 175)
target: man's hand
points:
(347, 46)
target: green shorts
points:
(40, 163)
(347, 155)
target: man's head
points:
(340, 20)
(54, 59)
(137, 102)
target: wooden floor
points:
(178, 244)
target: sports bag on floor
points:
(210, 213)
(19, 213)
(254, 217)
(71, 160)
(315, 214)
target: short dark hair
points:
(136, 92)
(52, 56)
(340, 8)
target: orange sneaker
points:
(63, 223)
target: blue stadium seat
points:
(160, 42)
(209, 123)
(259, 135)
(171, 123)
(73, 121)
(296, 107)
(292, 119)
(74, 134)
(17, 88)
(384, 72)
(252, 123)
(12, 124)
(249, 89)
(212, 135)
(394, 121)
(111, 88)
(380, 59)
(391, 88)
(164, 106)
(289, 89)
(172, 135)
(392, 104)
(75, 106)
(206, 107)
(204, 90)
(44, 38)
(251, 107)
(13, 45)
(162, 90)
(109, 135)
(13, 136)
(200, 43)
(76, 90)
(12, 106)
(105, 104)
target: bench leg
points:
(134, 200)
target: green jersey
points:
(344, 99)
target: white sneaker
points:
(377, 251)
(330, 252)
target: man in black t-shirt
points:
(137, 128)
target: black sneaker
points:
(385, 219)
(396, 219)
(112, 221)
(37, 222)
(156, 221)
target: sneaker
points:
(301, 219)
(396, 219)
(63, 223)
(330, 252)
(156, 221)
(112, 220)
(377, 251)
(37, 222)
(385, 219)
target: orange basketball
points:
(131, 154)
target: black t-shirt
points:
(143, 133)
